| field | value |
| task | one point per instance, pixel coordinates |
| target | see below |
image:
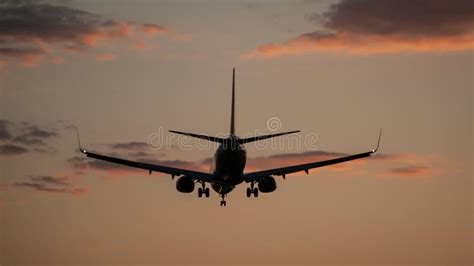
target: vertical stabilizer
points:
(232, 114)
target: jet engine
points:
(267, 184)
(185, 184)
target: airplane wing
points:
(199, 176)
(255, 176)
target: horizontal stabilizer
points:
(209, 138)
(256, 138)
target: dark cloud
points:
(51, 180)
(50, 184)
(383, 26)
(19, 52)
(10, 149)
(4, 131)
(50, 23)
(34, 137)
(134, 145)
(387, 17)
(32, 30)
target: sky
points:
(126, 72)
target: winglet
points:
(378, 142)
(79, 142)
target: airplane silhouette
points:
(229, 163)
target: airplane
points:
(228, 164)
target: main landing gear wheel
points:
(251, 191)
(204, 191)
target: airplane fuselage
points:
(228, 165)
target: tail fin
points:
(232, 111)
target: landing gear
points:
(222, 201)
(204, 190)
(251, 190)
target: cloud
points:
(105, 57)
(50, 184)
(141, 45)
(33, 135)
(383, 26)
(58, 60)
(12, 202)
(51, 180)
(11, 149)
(153, 29)
(28, 56)
(13, 135)
(3, 64)
(4, 131)
(133, 145)
(410, 170)
(181, 37)
(31, 31)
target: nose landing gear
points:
(223, 201)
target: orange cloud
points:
(153, 29)
(119, 30)
(106, 57)
(31, 60)
(141, 45)
(3, 63)
(58, 60)
(351, 44)
(181, 37)
(79, 191)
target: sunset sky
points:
(126, 72)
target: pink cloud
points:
(105, 57)
(181, 37)
(58, 60)
(153, 29)
(410, 170)
(141, 45)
